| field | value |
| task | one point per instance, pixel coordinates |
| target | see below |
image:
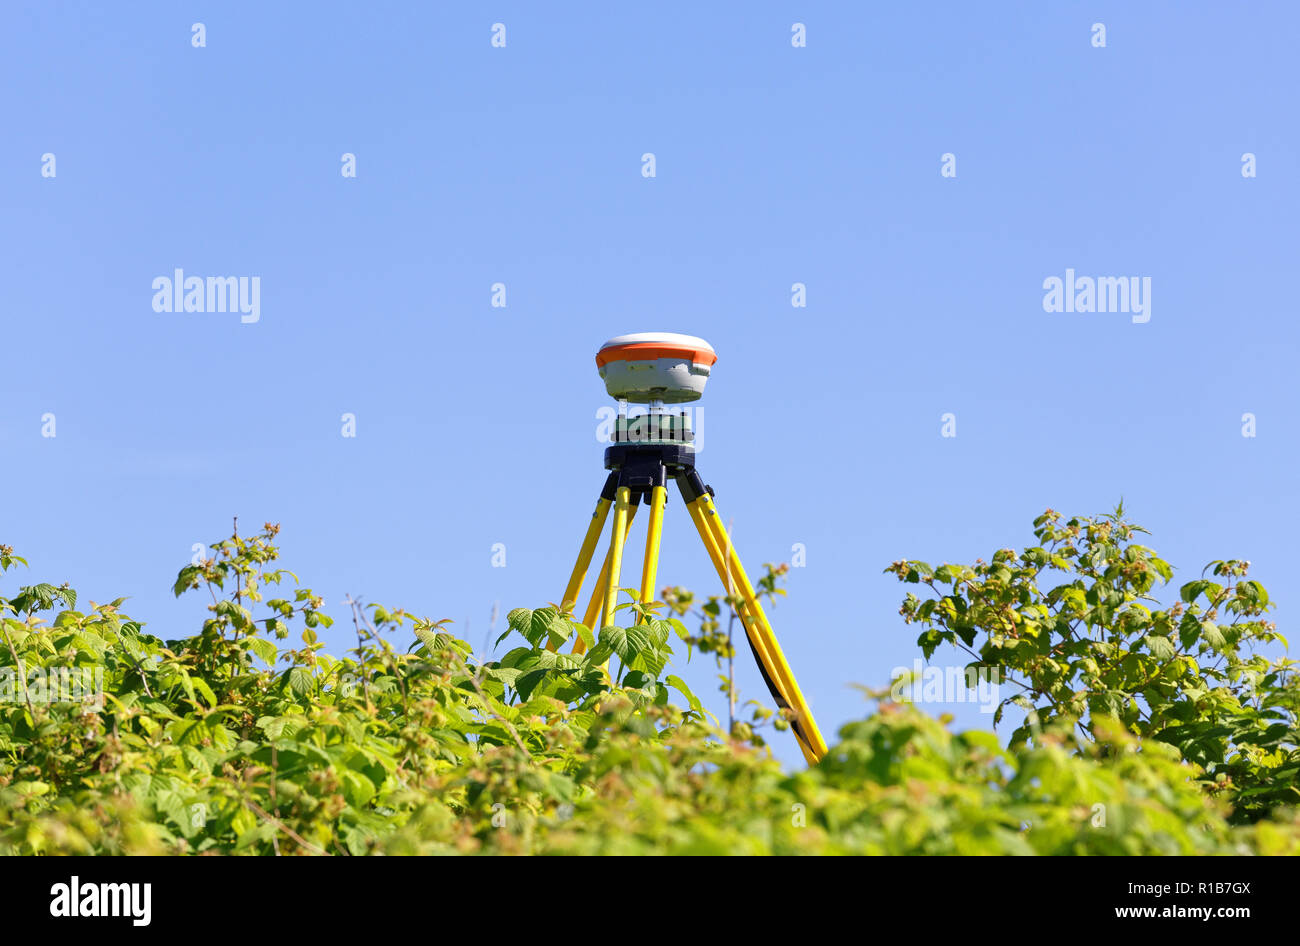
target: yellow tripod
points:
(641, 465)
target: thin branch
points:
(239, 578)
(22, 671)
(357, 617)
(275, 772)
(487, 706)
(281, 826)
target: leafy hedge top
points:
(230, 742)
(1096, 644)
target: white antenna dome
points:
(655, 366)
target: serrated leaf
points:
(1211, 634)
(680, 686)
(357, 789)
(1162, 648)
(264, 649)
(298, 680)
(597, 655)
(626, 642)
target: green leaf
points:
(1253, 592)
(539, 626)
(530, 681)
(201, 686)
(626, 642)
(188, 732)
(519, 620)
(918, 570)
(597, 655)
(637, 679)
(184, 578)
(559, 629)
(652, 660)
(298, 680)
(264, 649)
(658, 631)
(504, 675)
(357, 789)
(1162, 648)
(435, 642)
(680, 686)
(1211, 634)
(277, 726)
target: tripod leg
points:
(776, 671)
(716, 556)
(579, 574)
(596, 603)
(658, 499)
(622, 502)
(756, 645)
(804, 725)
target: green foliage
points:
(247, 738)
(718, 639)
(900, 782)
(1071, 622)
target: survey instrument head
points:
(649, 367)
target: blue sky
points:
(522, 165)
